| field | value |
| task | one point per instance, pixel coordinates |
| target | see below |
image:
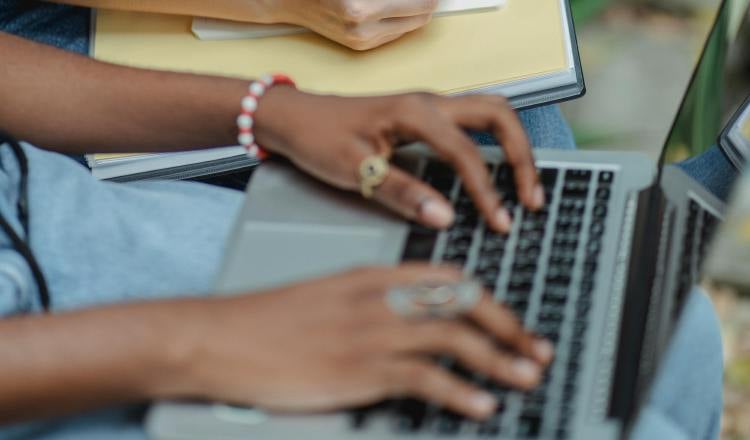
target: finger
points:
(495, 115)
(402, 25)
(380, 41)
(415, 200)
(473, 349)
(425, 380)
(382, 278)
(505, 327)
(420, 121)
(373, 34)
(406, 8)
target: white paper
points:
(144, 163)
(214, 29)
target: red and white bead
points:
(246, 120)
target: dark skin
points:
(59, 364)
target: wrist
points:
(274, 117)
(185, 333)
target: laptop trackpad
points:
(274, 254)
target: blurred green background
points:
(638, 56)
(586, 9)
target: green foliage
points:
(583, 10)
(700, 120)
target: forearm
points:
(73, 104)
(257, 11)
(60, 364)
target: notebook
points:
(525, 50)
(174, 166)
(215, 29)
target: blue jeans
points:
(713, 170)
(61, 26)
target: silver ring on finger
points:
(434, 300)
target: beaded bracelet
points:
(246, 119)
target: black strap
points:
(19, 244)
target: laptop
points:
(602, 271)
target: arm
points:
(59, 364)
(73, 104)
(238, 350)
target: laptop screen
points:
(720, 84)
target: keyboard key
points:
(575, 189)
(466, 218)
(606, 177)
(448, 422)
(440, 175)
(489, 429)
(458, 260)
(360, 416)
(597, 228)
(594, 247)
(548, 177)
(529, 427)
(602, 194)
(600, 210)
(411, 415)
(554, 299)
(504, 177)
(494, 241)
(419, 244)
(520, 307)
(531, 224)
(578, 175)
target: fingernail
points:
(526, 370)
(503, 219)
(483, 403)
(538, 196)
(437, 214)
(544, 350)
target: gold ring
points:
(373, 171)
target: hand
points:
(358, 24)
(334, 343)
(329, 136)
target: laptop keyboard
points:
(544, 270)
(700, 227)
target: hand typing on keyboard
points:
(329, 137)
(334, 343)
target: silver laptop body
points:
(316, 230)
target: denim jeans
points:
(131, 234)
(713, 170)
(62, 26)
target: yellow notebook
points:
(527, 46)
(525, 50)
